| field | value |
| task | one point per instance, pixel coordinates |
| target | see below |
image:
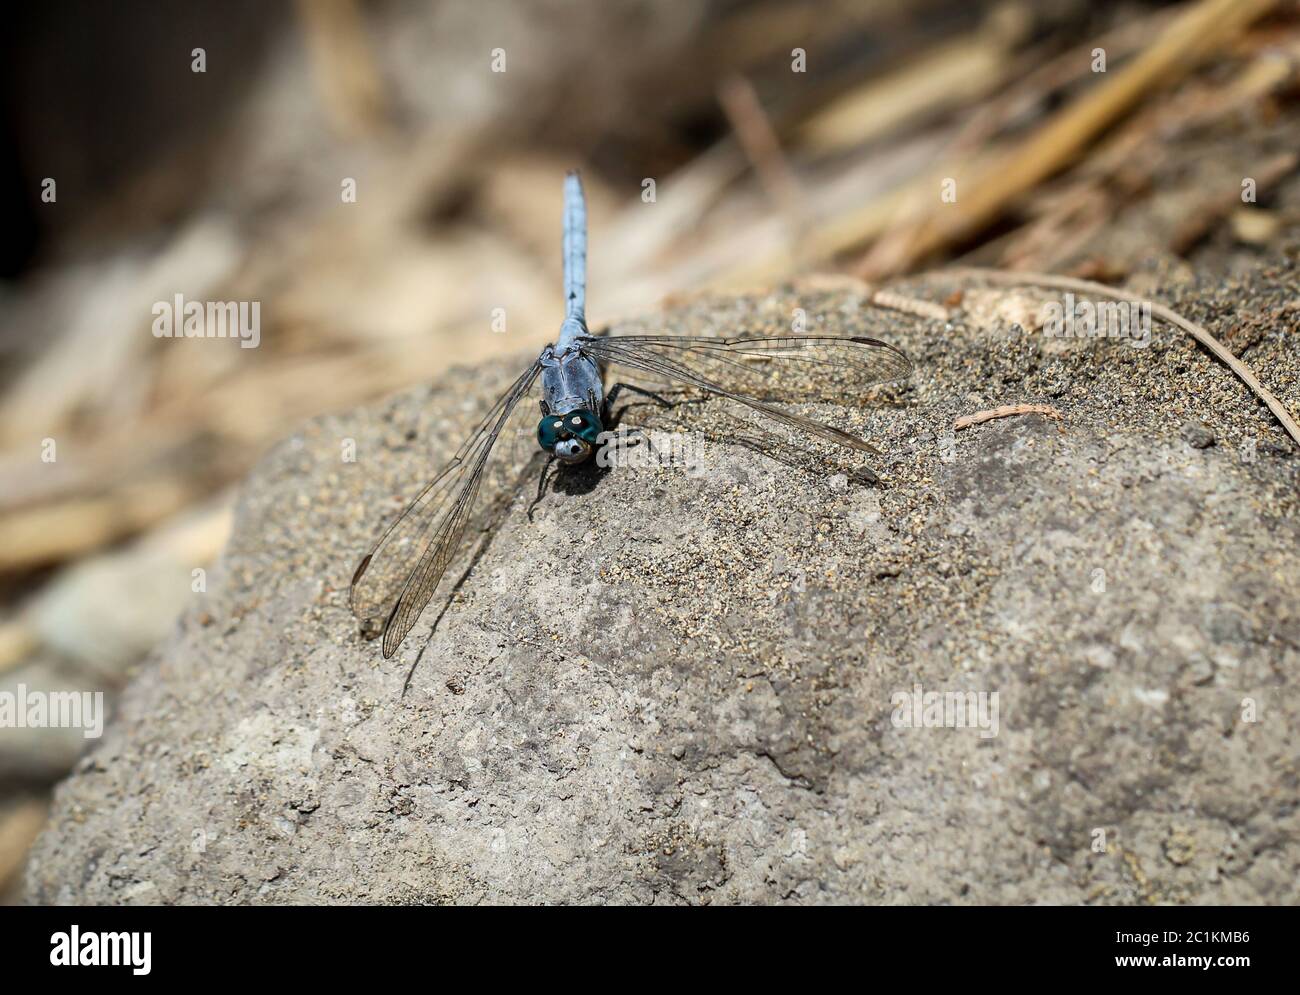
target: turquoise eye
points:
(580, 424)
(549, 431)
(583, 424)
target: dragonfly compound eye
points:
(551, 430)
(584, 425)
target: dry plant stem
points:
(895, 301)
(1130, 159)
(344, 64)
(1045, 78)
(1018, 279)
(758, 139)
(1199, 31)
(754, 131)
(948, 74)
(892, 300)
(1006, 411)
(17, 642)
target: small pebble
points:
(1197, 434)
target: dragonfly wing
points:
(397, 578)
(773, 367)
(756, 369)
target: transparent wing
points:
(397, 578)
(756, 369)
(774, 368)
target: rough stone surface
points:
(679, 687)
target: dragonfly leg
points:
(641, 435)
(612, 418)
(618, 388)
(617, 453)
(541, 487)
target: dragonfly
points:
(398, 577)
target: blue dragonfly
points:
(399, 575)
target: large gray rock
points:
(680, 687)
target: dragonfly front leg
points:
(541, 487)
(611, 418)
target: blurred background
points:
(384, 178)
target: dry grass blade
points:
(1006, 411)
(1202, 29)
(759, 141)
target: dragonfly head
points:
(570, 437)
